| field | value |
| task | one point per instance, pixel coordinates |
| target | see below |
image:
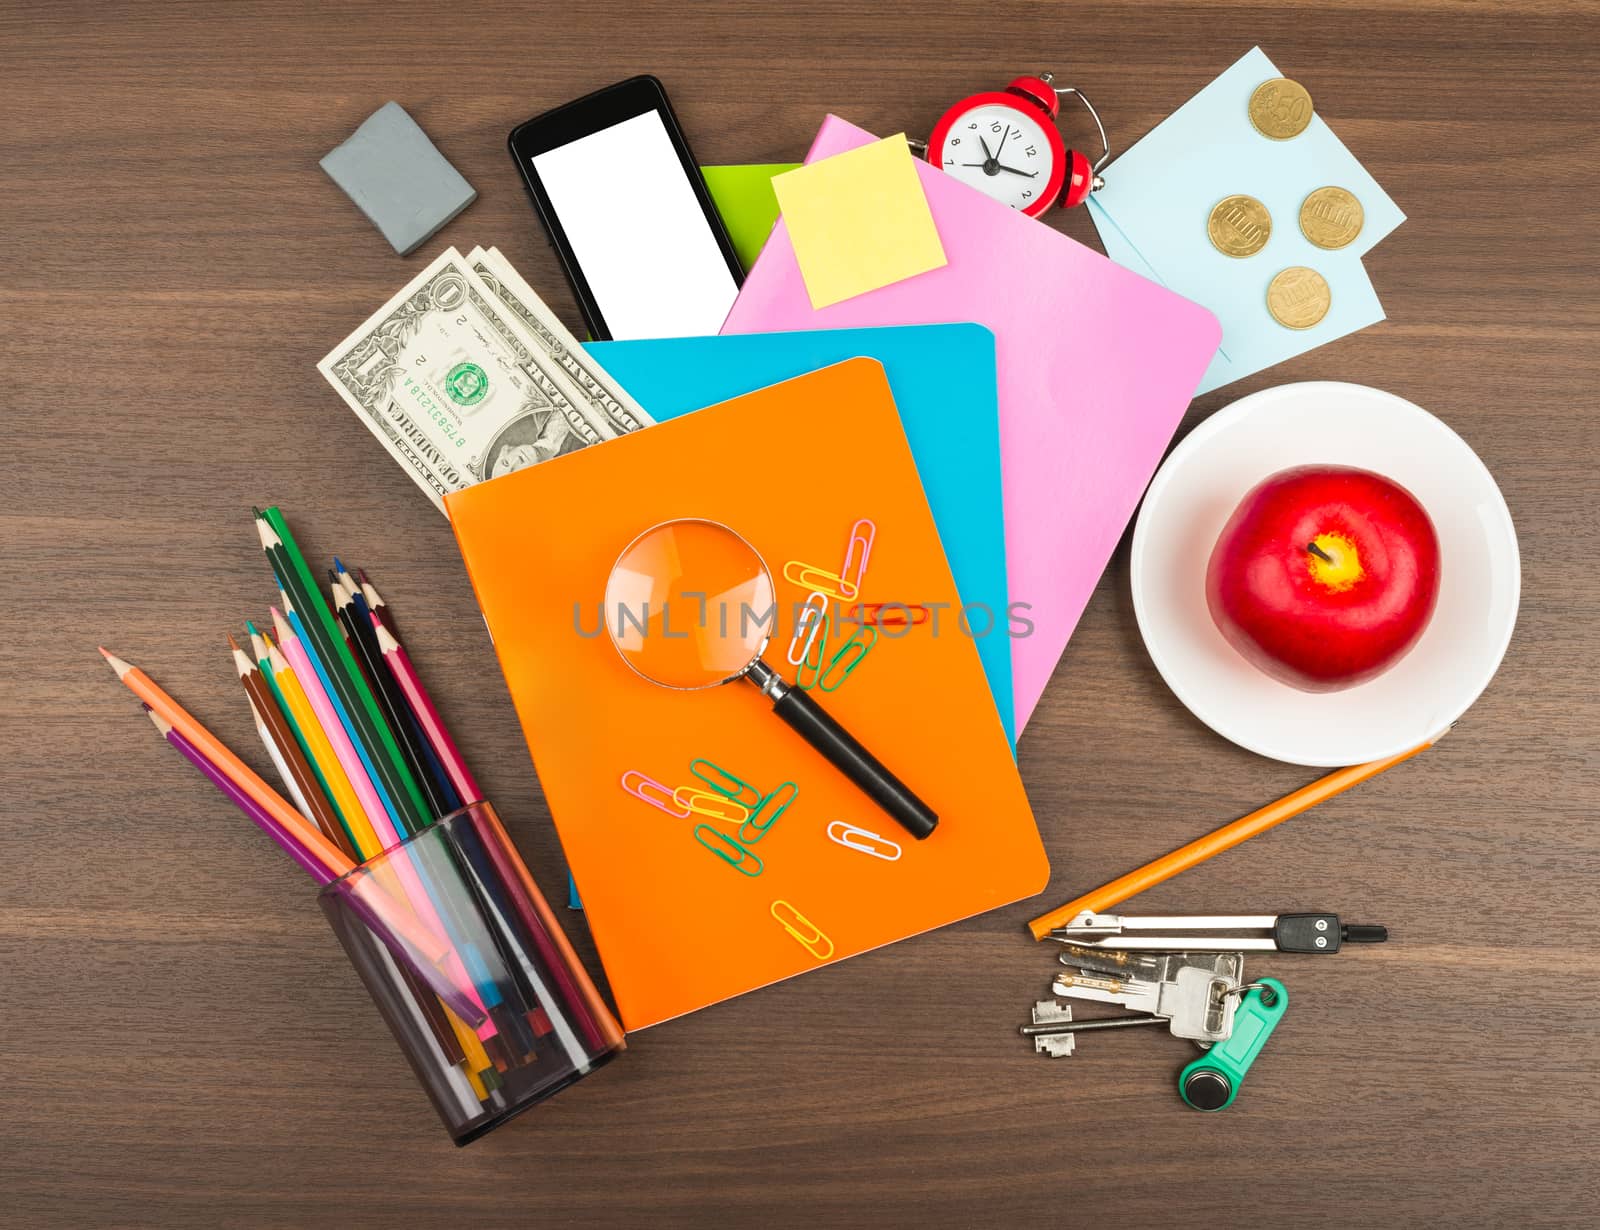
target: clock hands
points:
(991, 163)
(1014, 171)
(999, 149)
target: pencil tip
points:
(251, 624)
(117, 664)
(233, 644)
(161, 723)
(339, 564)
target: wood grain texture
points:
(184, 1044)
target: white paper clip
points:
(879, 847)
(806, 625)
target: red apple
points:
(1325, 576)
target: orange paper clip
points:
(805, 932)
(766, 815)
(862, 535)
(850, 654)
(854, 837)
(809, 576)
(650, 791)
(707, 803)
(728, 850)
(889, 614)
(806, 626)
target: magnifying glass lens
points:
(689, 604)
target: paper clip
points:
(889, 614)
(810, 669)
(806, 932)
(717, 806)
(650, 791)
(739, 860)
(767, 813)
(863, 533)
(861, 640)
(812, 613)
(730, 787)
(809, 576)
(845, 834)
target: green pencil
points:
(328, 639)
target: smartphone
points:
(614, 183)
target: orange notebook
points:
(791, 468)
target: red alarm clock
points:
(1006, 145)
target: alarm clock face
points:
(1004, 153)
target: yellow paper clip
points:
(650, 791)
(767, 813)
(861, 641)
(889, 614)
(862, 535)
(854, 837)
(806, 932)
(720, 844)
(809, 576)
(806, 626)
(705, 803)
(725, 783)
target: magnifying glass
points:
(689, 605)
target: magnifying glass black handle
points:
(814, 725)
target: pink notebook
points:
(1096, 367)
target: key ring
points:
(1105, 146)
(1269, 993)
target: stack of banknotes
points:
(466, 375)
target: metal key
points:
(1151, 966)
(1053, 1027)
(1195, 1002)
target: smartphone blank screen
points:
(637, 230)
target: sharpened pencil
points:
(410, 684)
(281, 739)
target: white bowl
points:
(1326, 423)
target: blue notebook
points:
(943, 381)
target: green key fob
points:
(1212, 1081)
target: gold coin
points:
(1239, 226)
(1280, 108)
(1331, 217)
(1298, 297)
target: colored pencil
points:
(444, 789)
(322, 754)
(334, 861)
(263, 819)
(365, 644)
(405, 676)
(360, 704)
(1225, 838)
(279, 765)
(376, 604)
(313, 801)
(261, 650)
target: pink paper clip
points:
(862, 534)
(806, 626)
(648, 790)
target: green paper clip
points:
(729, 787)
(861, 640)
(739, 859)
(766, 815)
(1212, 1081)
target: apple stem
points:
(1319, 553)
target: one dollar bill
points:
(454, 386)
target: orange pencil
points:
(1225, 838)
(422, 938)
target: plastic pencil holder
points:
(469, 967)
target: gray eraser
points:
(398, 178)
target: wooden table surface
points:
(184, 1044)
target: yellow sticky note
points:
(858, 221)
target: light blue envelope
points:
(1152, 216)
(943, 380)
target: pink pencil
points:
(349, 758)
(405, 674)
